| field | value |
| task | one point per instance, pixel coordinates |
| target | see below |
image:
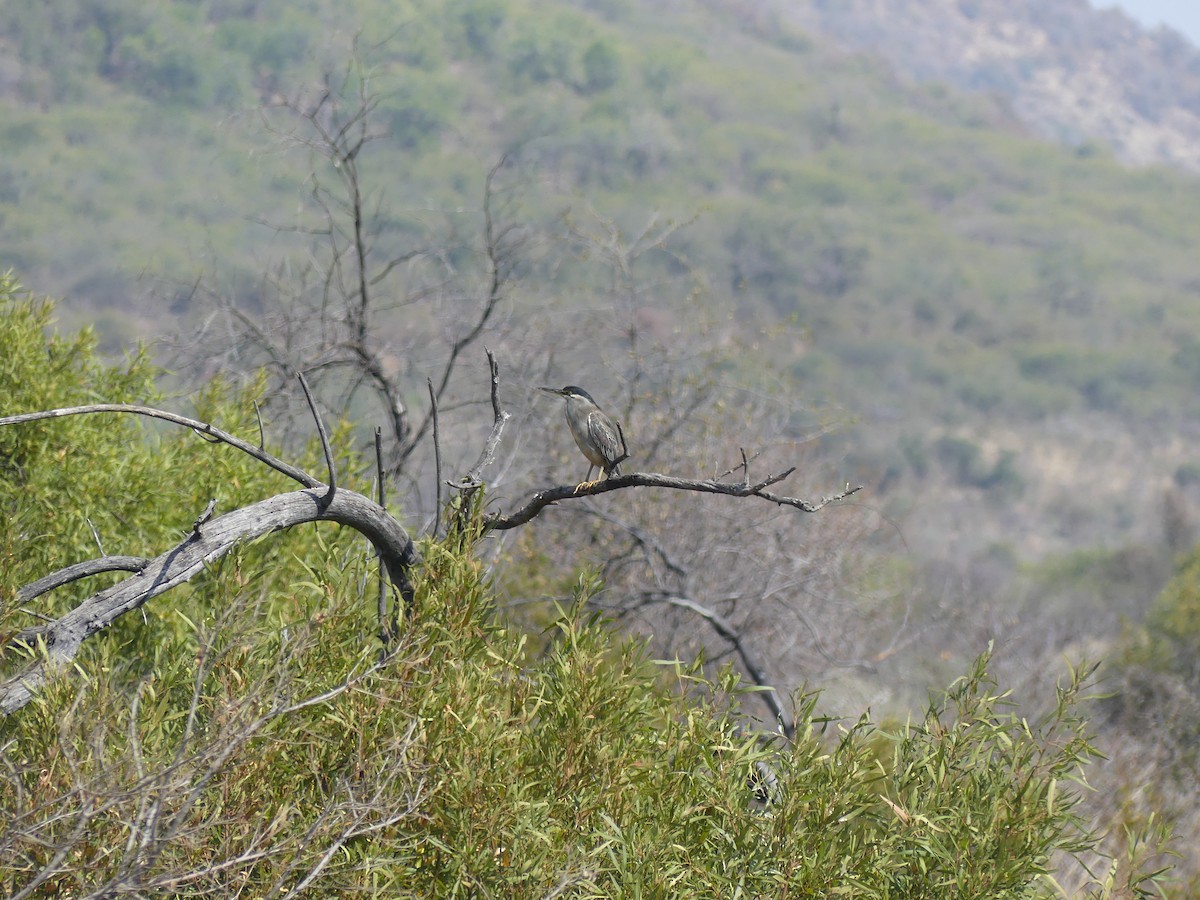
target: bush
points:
(1166, 641)
(248, 739)
(601, 67)
(464, 763)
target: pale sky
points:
(1182, 15)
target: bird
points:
(597, 435)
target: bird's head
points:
(570, 391)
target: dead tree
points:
(52, 645)
(355, 310)
(336, 323)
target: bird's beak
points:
(557, 391)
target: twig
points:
(385, 633)
(96, 536)
(624, 447)
(494, 371)
(204, 516)
(496, 284)
(312, 405)
(743, 464)
(35, 614)
(203, 429)
(500, 417)
(437, 458)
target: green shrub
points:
(246, 738)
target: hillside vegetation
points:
(938, 262)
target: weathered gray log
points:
(57, 643)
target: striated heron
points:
(596, 434)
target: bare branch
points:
(324, 435)
(494, 369)
(496, 281)
(499, 418)
(726, 630)
(437, 458)
(542, 499)
(204, 516)
(204, 429)
(96, 536)
(78, 571)
(386, 633)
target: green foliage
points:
(544, 50)
(963, 458)
(479, 20)
(940, 271)
(139, 487)
(970, 801)
(601, 67)
(419, 107)
(44, 463)
(272, 45)
(150, 48)
(245, 737)
(1187, 474)
(886, 220)
(464, 763)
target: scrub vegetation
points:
(762, 254)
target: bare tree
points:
(783, 601)
(213, 536)
(366, 316)
(359, 313)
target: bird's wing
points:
(604, 435)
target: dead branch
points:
(57, 643)
(80, 570)
(437, 457)
(325, 448)
(757, 673)
(499, 417)
(498, 264)
(551, 496)
(387, 632)
(204, 429)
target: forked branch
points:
(551, 496)
(56, 644)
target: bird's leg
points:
(587, 481)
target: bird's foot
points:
(585, 485)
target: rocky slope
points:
(1071, 72)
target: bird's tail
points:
(613, 472)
